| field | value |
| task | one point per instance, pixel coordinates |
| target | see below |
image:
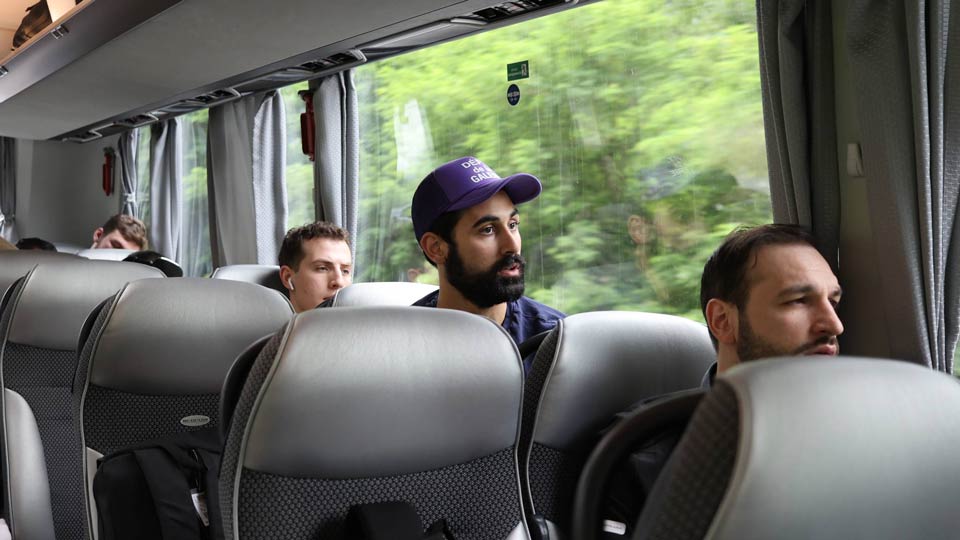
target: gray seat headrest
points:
(14, 264)
(180, 336)
(823, 448)
(55, 299)
(262, 274)
(371, 392)
(106, 254)
(392, 293)
(604, 362)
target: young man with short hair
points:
(466, 222)
(121, 231)
(315, 262)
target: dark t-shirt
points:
(525, 318)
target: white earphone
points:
(290, 283)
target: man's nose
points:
(828, 321)
(510, 242)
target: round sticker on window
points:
(513, 95)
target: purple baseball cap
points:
(463, 183)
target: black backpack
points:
(36, 19)
(161, 490)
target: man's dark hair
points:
(443, 227)
(725, 274)
(291, 251)
(130, 228)
(35, 243)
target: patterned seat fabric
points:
(156, 357)
(367, 404)
(591, 367)
(40, 325)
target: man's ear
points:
(723, 320)
(434, 247)
(97, 234)
(286, 273)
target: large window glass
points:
(642, 119)
(299, 169)
(195, 222)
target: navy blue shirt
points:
(525, 318)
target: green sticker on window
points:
(518, 70)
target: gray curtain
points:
(337, 167)
(246, 158)
(908, 104)
(796, 73)
(166, 187)
(129, 180)
(8, 187)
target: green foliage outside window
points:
(642, 118)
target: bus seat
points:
(390, 293)
(155, 358)
(66, 247)
(261, 274)
(831, 448)
(14, 264)
(42, 321)
(361, 405)
(29, 513)
(589, 368)
(106, 254)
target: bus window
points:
(646, 131)
(299, 168)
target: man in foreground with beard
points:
(467, 224)
(765, 292)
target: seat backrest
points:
(796, 448)
(14, 264)
(262, 274)
(156, 356)
(40, 327)
(388, 293)
(29, 515)
(589, 368)
(360, 405)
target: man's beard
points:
(752, 347)
(486, 288)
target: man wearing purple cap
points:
(467, 224)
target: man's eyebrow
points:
(328, 261)
(491, 218)
(806, 289)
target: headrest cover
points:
(180, 336)
(607, 361)
(106, 254)
(365, 392)
(842, 448)
(57, 297)
(395, 293)
(15, 264)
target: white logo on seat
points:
(195, 420)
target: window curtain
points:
(245, 174)
(8, 187)
(166, 188)
(796, 74)
(908, 100)
(337, 167)
(129, 179)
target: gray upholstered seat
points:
(156, 356)
(106, 254)
(29, 514)
(359, 405)
(388, 293)
(589, 368)
(41, 324)
(14, 264)
(261, 274)
(802, 448)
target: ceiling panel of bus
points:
(197, 43)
